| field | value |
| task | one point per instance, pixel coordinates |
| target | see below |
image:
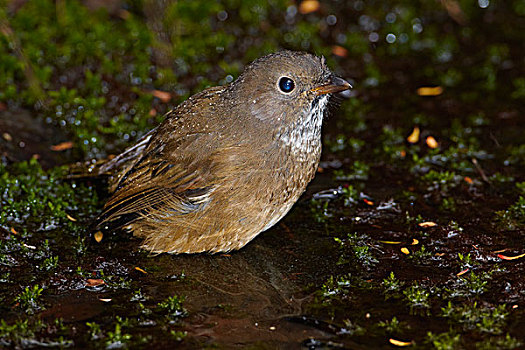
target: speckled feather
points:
(226, 164)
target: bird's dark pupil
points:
(286, 84)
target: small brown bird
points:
(226, 164)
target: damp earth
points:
(411, 234)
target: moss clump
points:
(32, 197)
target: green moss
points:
(32, 196)
(32, 331)
(392, 287)
(393, 326)
(444, 341)
(418, 298)
(172, 307)
(472, 316)
(29, 299)
(502, 343)
(514, 217)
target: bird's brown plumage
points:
(224, 165)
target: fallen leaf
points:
(505, 257)
(390, 242)
(454, 11)
(500, 251)
(139, 269)
(462, 272)
(415, 241)
(152, 112)
(431, 142)
(162, 95)
(309, 6)
(427, 224)
(93, 282)
(98, 236)
(339, 51)
(106, 300)
(405, 250)
(13, 231)
(71, 218)
(368, 201)
(430, 91)
(62, 146)
(468, 180)
(7, 136)
(399, 342)
(414, 136)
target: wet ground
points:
(411, 234)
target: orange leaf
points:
(414, 136)
(414, 241)
(309, 6)
(430, 91)
(93, 282)
(62, 146)
(405, 250)
(462, 272)
(504, 257)
(139, 269)
(368, 202)
(98, 236)
(339, 51)
(468, 180)
(431, 142)
(162, 95)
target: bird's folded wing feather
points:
(173, 174)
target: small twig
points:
(480, 171)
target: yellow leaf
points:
(430, 91)
(431, 142)
(414, 136)
(399, 342)
(309, 6)
(71, 218)
(427, 224)
(505, 257)
(139, 269)
(98, 236)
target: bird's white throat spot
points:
(305, 136)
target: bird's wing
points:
(174, 174)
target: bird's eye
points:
(286, 84)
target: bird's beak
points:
(335, 84)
